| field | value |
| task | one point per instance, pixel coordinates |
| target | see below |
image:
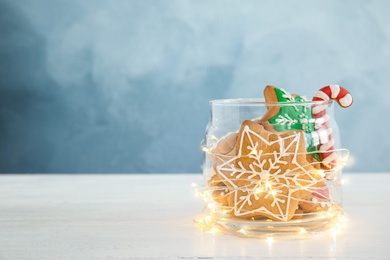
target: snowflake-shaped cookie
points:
(269, 175)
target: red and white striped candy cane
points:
(343, 97)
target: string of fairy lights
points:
(216, 218)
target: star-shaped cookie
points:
(269, 173)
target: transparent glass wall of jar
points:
(271, 179)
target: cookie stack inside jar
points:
(277, 160)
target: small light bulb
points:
(321, 173)
(206, 150)
(242, 231)
(214, 230)
(334, 231)
(270, 240)
(213, 137)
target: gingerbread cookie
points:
(220, 191)
(288, 117)
(269, 174)
(291, 117)
(316, 201)
(226, 144)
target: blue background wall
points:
(123, 86)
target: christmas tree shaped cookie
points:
(292, 116)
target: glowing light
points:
(242, 231)
(321, 173)
(205, 195)
(323, 215)
(270, 240)
(331, 214)
(214, 230)
(259, 190)
(206, 150)
(335, 231)
(216, 213)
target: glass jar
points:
(271, 169)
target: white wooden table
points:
(151, 217)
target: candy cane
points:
(326, 147)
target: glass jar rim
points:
(262, 102)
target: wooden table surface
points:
(134, 216)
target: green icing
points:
(314, 152)
(295, 117)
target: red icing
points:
(322, 192)
(327, 90)
(320, 114)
